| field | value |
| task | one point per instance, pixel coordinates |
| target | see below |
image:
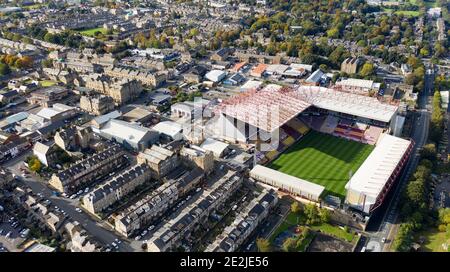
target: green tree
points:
(295, 207)
(34, 164)
(4, 69)
(263, 245)
(312, 214)
(325, 215)
(289, 244)
(367, 70)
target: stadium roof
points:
(376, 170)
(273, 106)
(287, 180)
(267, 109)
(353, 104)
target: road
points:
(388, 225)
(99, 230)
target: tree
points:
(4, 69)
(325, 215)
(312, 214)
(263, 245)
(34, 164)
(367, 70)
(404, 238)
(47, 63)
(289, 244)
(295, 207)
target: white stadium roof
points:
(287, 180)
(371, 177)
(353, 104)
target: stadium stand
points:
(329, 124)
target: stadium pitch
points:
(323, 159)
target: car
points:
(188, 197)
(80, 192)
(108, 250)
(1, 231)
(78, 210)
(114, 245)
(137, 238)
(151, 227)
(383, 240)
(249, 246)
(144, 233)
(86, 190)
(73, 196)
(64, 194)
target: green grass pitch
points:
(323, 159)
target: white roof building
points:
(216, 75)
(171, 129)
(47, 113)
(276, 69)
(251, 84)
(287, 183)
(376, 173)
(218, 148)
(129, 134)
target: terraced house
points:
(88, 170)
(116, 188)
(146, 78)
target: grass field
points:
(293, 219)
(91, 32)
(323, 159)
(434, 240)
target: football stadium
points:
(327, 142)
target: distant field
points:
(91, 32)
(412, 13)
(323, 159)
(47, 83)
